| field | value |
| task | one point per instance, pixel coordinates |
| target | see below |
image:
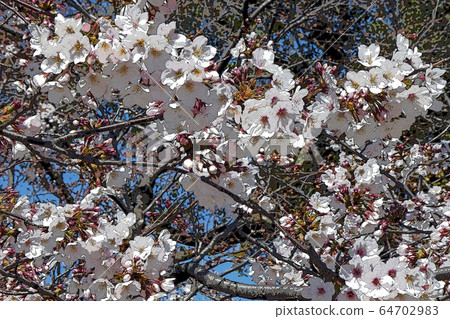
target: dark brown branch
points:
(107, 128)
(57, 178)
(55, 143)
(236, 289)
(277, 255)
(26, 221)
(15, 12)
(34, 8)
(80, 8)
(301, 18)
(13, 31)
(443, 273)
(245, 20)
(119, 203)
(31, 284)
(15, 293)
(168, 216)
(222, 235)
(322, 268)
(225, 57)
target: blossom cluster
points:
(227, 129)
(104, 262)
(351, 226)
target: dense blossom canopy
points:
(372, 224)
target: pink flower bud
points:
(86, 27)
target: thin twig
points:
(31, 284)
(34, 8)
(405, 189)
(25, 220)
(77, 6)
(15, 12)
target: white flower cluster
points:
(356, 219)
(81, 239)
(410, 87)
(231, 124)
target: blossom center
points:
(392, 273)
(412, 97)
(376, 282)
(78, 47)
(198, 52)
(140, 43)
(361, 252)
(156, 52)
(357, 272)
(282, 112)
(105, 46)
(178, 74)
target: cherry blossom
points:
(375, 215)
(318, 290)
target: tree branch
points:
(14, 31)
(34, 8)
(31, 284)
(26, 221)
(107, 128)
(324, 271)
(443, 273)
(54, 144)
(77, 6)
(295, 22)
(15, 293)
(15, 12)
(225, 58)
(277, 255)
(236, 289)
